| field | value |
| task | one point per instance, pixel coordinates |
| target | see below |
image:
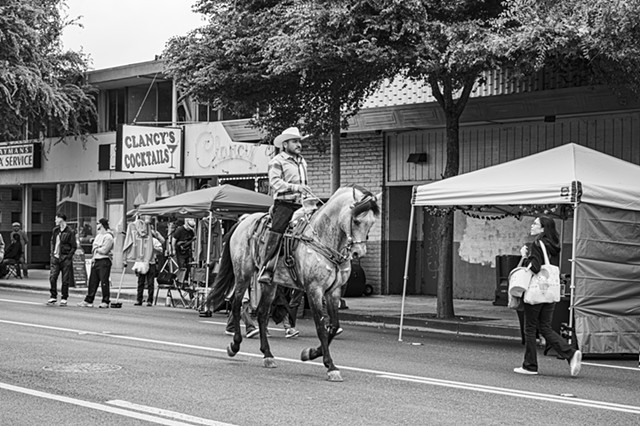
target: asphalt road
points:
(158, 365)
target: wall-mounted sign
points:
(20, 156)
(144, 149)
(210, 151)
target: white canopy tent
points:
(604, 194)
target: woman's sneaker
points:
(290, 333)
(84, 304)
(576, 363)
(63, 302)
(521, 370)
(52, 302)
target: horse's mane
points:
(368, 201)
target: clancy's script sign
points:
(145, 149)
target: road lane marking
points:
(166, 413)
(24, 302)
(516, 393)
(378, 373)
(621, 367)
(97, 406)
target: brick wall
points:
(362, 163)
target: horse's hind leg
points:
(234, 346)
(264, 307)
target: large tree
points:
(41, 86)
(305, 63)
(459, 42)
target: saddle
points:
(292, 236)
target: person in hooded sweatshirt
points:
(539, 316)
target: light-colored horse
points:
(333, 235)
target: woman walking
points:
(539, 316)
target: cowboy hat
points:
(290, 133)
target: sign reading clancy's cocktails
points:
(145, 149)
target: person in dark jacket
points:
(63, 246)
(539, 316)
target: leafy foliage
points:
(41, 86)
(309, 63)
(599, 37)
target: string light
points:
(497, 213)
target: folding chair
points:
(167, 279)
(11, 268)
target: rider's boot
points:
(270, 258)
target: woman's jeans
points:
(538, 317)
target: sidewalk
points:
(474, 317)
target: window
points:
(36, 217)
(36, 194)
(115, 191)
(16, 217)
(115, 108)
(36, 240)
(16, 194)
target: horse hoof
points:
(230, 351)
(306, 354)
(269, 363)
(334, 376)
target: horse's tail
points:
(225, 280)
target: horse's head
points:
(357, 218)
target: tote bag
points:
(545, 285)
(519, 279)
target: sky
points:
(121, 32)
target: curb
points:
(433, 325)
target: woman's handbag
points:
(519, 279)
(545, 285)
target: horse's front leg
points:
(315, 301)
(264, 308)
(236, 304)
(333, 304)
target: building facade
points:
(395, 142)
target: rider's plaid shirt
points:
(286, 174)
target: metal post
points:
(174, 103)
(574, 238)
(406, 271)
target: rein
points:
(336, 257)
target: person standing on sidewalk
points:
(539, 316)
(147, 280)
(63, 246)
(102, 247)
(287, 173)
(181, 243)
(17, 229)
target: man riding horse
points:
(288, 182)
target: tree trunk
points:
(335, 159)
(335, 148)
(445, 254)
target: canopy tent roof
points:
(554, 176)
(225, 200)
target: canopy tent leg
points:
(574, 240)
(406, 272)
